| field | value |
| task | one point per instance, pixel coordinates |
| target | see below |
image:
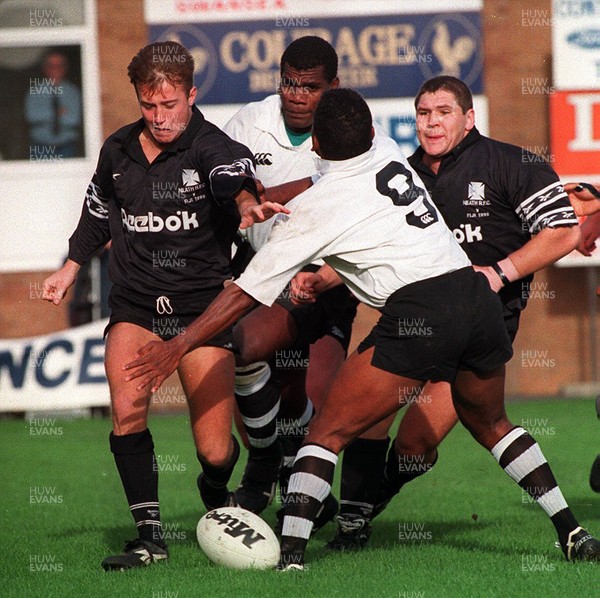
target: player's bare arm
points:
(584, 198)
(285, 192)
(306, 286)
(252, 212)
(157, 360)
(57, 284)
(549, 245)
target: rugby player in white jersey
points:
(274, 390)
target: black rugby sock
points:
(362, 469)
(136, 463)
(215, 490)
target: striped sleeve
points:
(97, 204)
(548, 207)
(93, 230)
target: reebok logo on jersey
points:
(468, 233)
(190, 177)
(263, 159)
(151, 223)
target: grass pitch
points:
(463, 530)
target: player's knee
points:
(250, 347)
(488, 433)
(129, 415)
(421, 444)
(250, 379)
(216, 454)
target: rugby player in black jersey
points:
(175, 183)
(511, 215)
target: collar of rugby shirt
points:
(131, 144)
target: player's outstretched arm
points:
(157, 360)
(57, 284)
(584, 198)
(286, 191)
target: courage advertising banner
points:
(386, 49)
(64, 370)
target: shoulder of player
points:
(514, 155)
(211, 139)
(256, 111)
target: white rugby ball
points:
(238, 539)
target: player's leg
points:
(414, 452)
(361, 396)
(327, 355)
(207, 378)
(258, 336)
(363, 495)
(479, 402)
(297, 411)
(328, 325)
(426, 422)
(337, 311)
(363, 463)
(133, 449)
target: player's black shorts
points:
(166, 316)
(511, 321)
(430, 329)
(332, 314)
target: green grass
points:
(480, 535)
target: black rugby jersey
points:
(494, 196)
(172, 222)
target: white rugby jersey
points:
(260, 126)
(370, 218)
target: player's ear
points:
(470, 115)
(315, 145)
(372, 133)
(335, 83)
(192, 96)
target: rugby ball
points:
(238, 539)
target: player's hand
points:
(304, 287)
(154, 363)
(584, 198)
(495, 283)
(253, 213)
(589, 235)
(57, 284)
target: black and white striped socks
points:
(522, 459)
